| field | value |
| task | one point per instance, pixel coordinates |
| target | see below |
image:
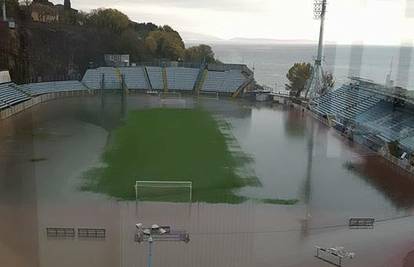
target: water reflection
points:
(396, 186)
(294, 156)
(294, 123)
(18, 195)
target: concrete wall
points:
(6, 113)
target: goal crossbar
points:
(164, 184)
(208, 95)
(170, 95)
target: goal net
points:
(172, 100)
(170, 95)
(208, 95)
(167, 191)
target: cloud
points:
(368, 21)
(218, 5)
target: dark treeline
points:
(59, 42)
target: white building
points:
(114, 60)
(5, 77)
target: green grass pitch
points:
(171, 145)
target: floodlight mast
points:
(315, 83)
(158, 233)
(319, 12)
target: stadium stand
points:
(375, 114)
(3, 105)
(176, 78)
(155, 76)
(10, 96)
(181, 78)
(223, 81)
(112, 79)
(391, 124)
(408, 143)
(212, 79)
(347, 102)
(134, 77)
(93, 78)
(35, 89)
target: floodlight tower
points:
(316, 82)
(158, 233)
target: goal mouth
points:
(170, 95)
(208, 95)
(164, 191)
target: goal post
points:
(172, 99)
(164, 190)
(208, 95)
(167, 95)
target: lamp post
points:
(315, 83)
(158, 233)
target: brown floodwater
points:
(45, 150)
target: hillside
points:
(64, 49)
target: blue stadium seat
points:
(35, 89)
(10, 95)
(155, 76)
(134, 78)
(181, 78)
(93, 78)
(224, 81)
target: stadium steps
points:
(147, 79)
(242, 87)
(101, 81)
(84, 84)
(118, 74)
(202, 76)
(121, 77)
(165, 79)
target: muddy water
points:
(44, 151)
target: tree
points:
(25, 9)
(143, 29)
(298, 75)
(165, 43)
(45, 13)
(110, 19)
(67, 5)
(25, 2)
(43, 2)
(328, 82)
(12, 7)
(131, 43)
(200, 53)
(82, 18)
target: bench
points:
(361, 223)
(91, 233)
(60, 232)
(329, 255)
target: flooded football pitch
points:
(45, 151)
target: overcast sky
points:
(348, 21)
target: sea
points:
(271, 62)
